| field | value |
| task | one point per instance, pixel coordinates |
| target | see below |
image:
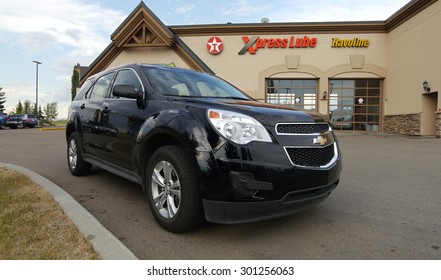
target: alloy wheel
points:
(166, 189)
(72, 154)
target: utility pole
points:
(36, 90)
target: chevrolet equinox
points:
(201, 148)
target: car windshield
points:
(186, 83)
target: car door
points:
(91, 116)
(122, 118)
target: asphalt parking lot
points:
(387, 206)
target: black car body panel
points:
(297, 166)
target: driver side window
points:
(127, 77)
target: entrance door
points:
(428, 116)
(355, 104)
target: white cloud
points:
(45, 23)
(185, 9)
(243, 8)
(335, 10)
(60, 33)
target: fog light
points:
(245, 185)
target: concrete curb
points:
(51, 128)
(103, 241)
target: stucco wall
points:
(414, 56)
(243, 70)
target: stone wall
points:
(406, 124)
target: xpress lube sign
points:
(253, 44)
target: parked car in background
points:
(200, 147)
(2, 120)
(29, 120)
(14, 121)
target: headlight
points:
(239, 128)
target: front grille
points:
(301, 128)
(311, 157)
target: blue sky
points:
(61, 33)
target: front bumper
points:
(260, 180)
(224, 212)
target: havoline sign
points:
(253, 44)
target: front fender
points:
(180, 125)
(183, 130)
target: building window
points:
(300, 94)
(355, 104)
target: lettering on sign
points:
(351, 43)
(253, 44)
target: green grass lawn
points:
(33, 226)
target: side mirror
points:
(128, 91)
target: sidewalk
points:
(102, 240)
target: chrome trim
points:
(331, 162)
(302, 123)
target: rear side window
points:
(84, 89)
(101, 87)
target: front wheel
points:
(77, 165)
(172, 190)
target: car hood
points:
(267, 114)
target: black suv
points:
(200, 147)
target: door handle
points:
(83, 106)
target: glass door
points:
(355, 104)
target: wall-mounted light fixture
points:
(426, 86)
(325, 95)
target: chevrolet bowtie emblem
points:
(320, 140)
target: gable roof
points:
(142, 28)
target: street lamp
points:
(36, 88)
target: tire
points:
(173, 191)
(77, 165)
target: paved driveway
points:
(387, 206)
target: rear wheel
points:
(77, 165)
(173, 191)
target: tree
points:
(40, 117)
(19, 108)
(75, 81)
(2, 100)
(51, 112)
(27, 109)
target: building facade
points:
(366, 76)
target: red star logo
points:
(215, 45)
